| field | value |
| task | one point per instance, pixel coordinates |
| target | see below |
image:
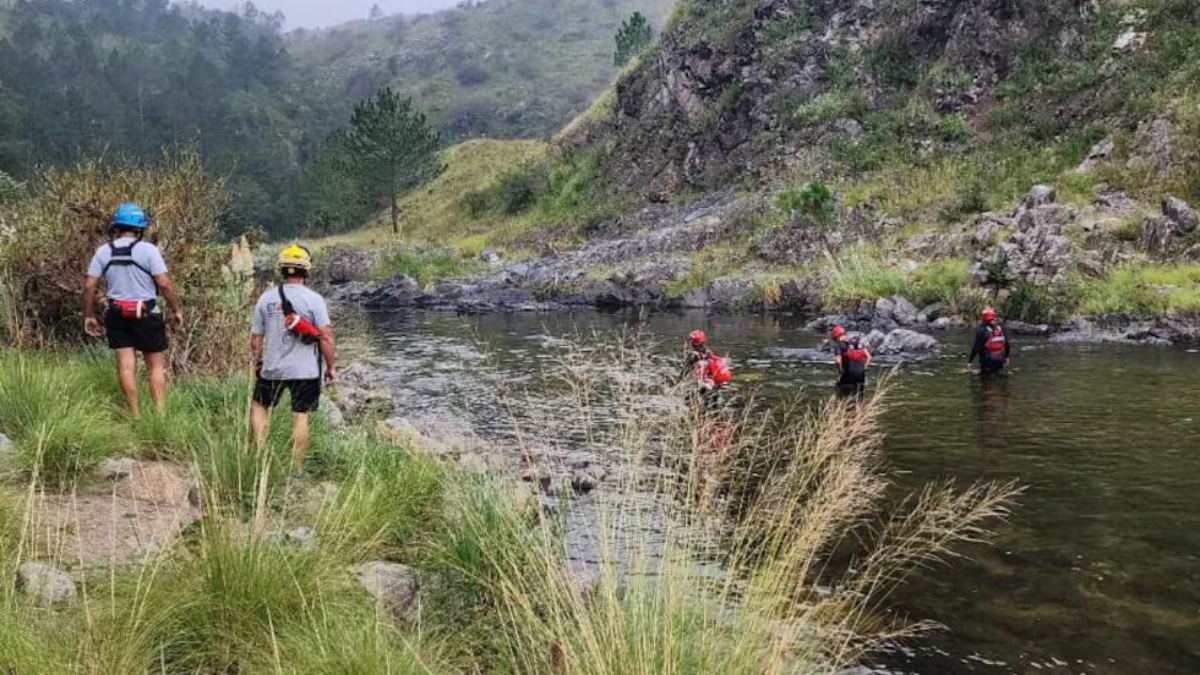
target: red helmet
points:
(838, 332)
(697, 337)
(989, 315)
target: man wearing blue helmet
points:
(135, 274)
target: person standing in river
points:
(292, 340)
(710, 371)
(992, 346)
(851, 359)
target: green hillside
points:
(501, 68)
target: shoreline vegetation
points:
(765, 541)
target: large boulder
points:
(903, 342)
(394, 587)
(1181, 215)
(904, 312)
(1039, 195)
(46, 584)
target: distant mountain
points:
(502, 68)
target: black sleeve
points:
(981, 338)
(1007, 343)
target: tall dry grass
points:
(749, 541)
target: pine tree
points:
(392, 148)
(633, 38)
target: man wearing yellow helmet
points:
(292, 340)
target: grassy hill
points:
(506, 68)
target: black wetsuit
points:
(853, 377)
(992, 348)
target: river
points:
(1098, 573)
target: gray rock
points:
(431, 385)
(1096, 155)
(1158, 236)
(539, 476)
(490, 256)
(116, 468)
(48, 585)
(988, 229)
(907, 342)
(943, 323)
(1032, 329)
(394, 587)
(335, 416)
(695, 299)
(930, 313)
(874, 340)
(885, 308)
(904, 312)
(6, 444)
(585, 480)
(1154, 147)
(1039, 195)
(1181, 214)
(304, 537)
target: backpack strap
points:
(122, 256)
(284, 303)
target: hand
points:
(1007, 363)
(177, 319)
(970, 368)
(92, 327)
(330, 375)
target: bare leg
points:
(156, 370)
(259, 416)
(127, 374)
(299, 440)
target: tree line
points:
(124, 79)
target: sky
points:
(322, 13)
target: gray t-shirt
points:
(285, 356)
(127, 282)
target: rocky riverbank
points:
(654, 259)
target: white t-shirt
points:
(128, 282)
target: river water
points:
(1098, 572)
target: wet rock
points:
(345, 265)
(696, 298)
(1096, 155)
(303, 537)
(115, 469)
(399, 292)
(873, 340)
(728, 293)
(930, 313)
(942, 323)
(902, 342)
(431, 385)
(394, 587)
(904, 312)
(46, 584)
(1132, 330)
(586, 479)
(1030, 329)
(1181, 215)
(539, 476)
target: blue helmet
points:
(131, 216)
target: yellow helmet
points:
(294, 258)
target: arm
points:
(869, 358)
(91, 325)
(977, 350)
(1007, 345)
(168, 291)
(329, 353)
(256, 348)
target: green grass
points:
(1143, 289)
(425, 267)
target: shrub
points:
(830, 106)
(425, 267)
(859, 275)
(472, 75)
(59, 228)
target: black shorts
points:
(147, 335)
(306, 394)
(989, 365)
